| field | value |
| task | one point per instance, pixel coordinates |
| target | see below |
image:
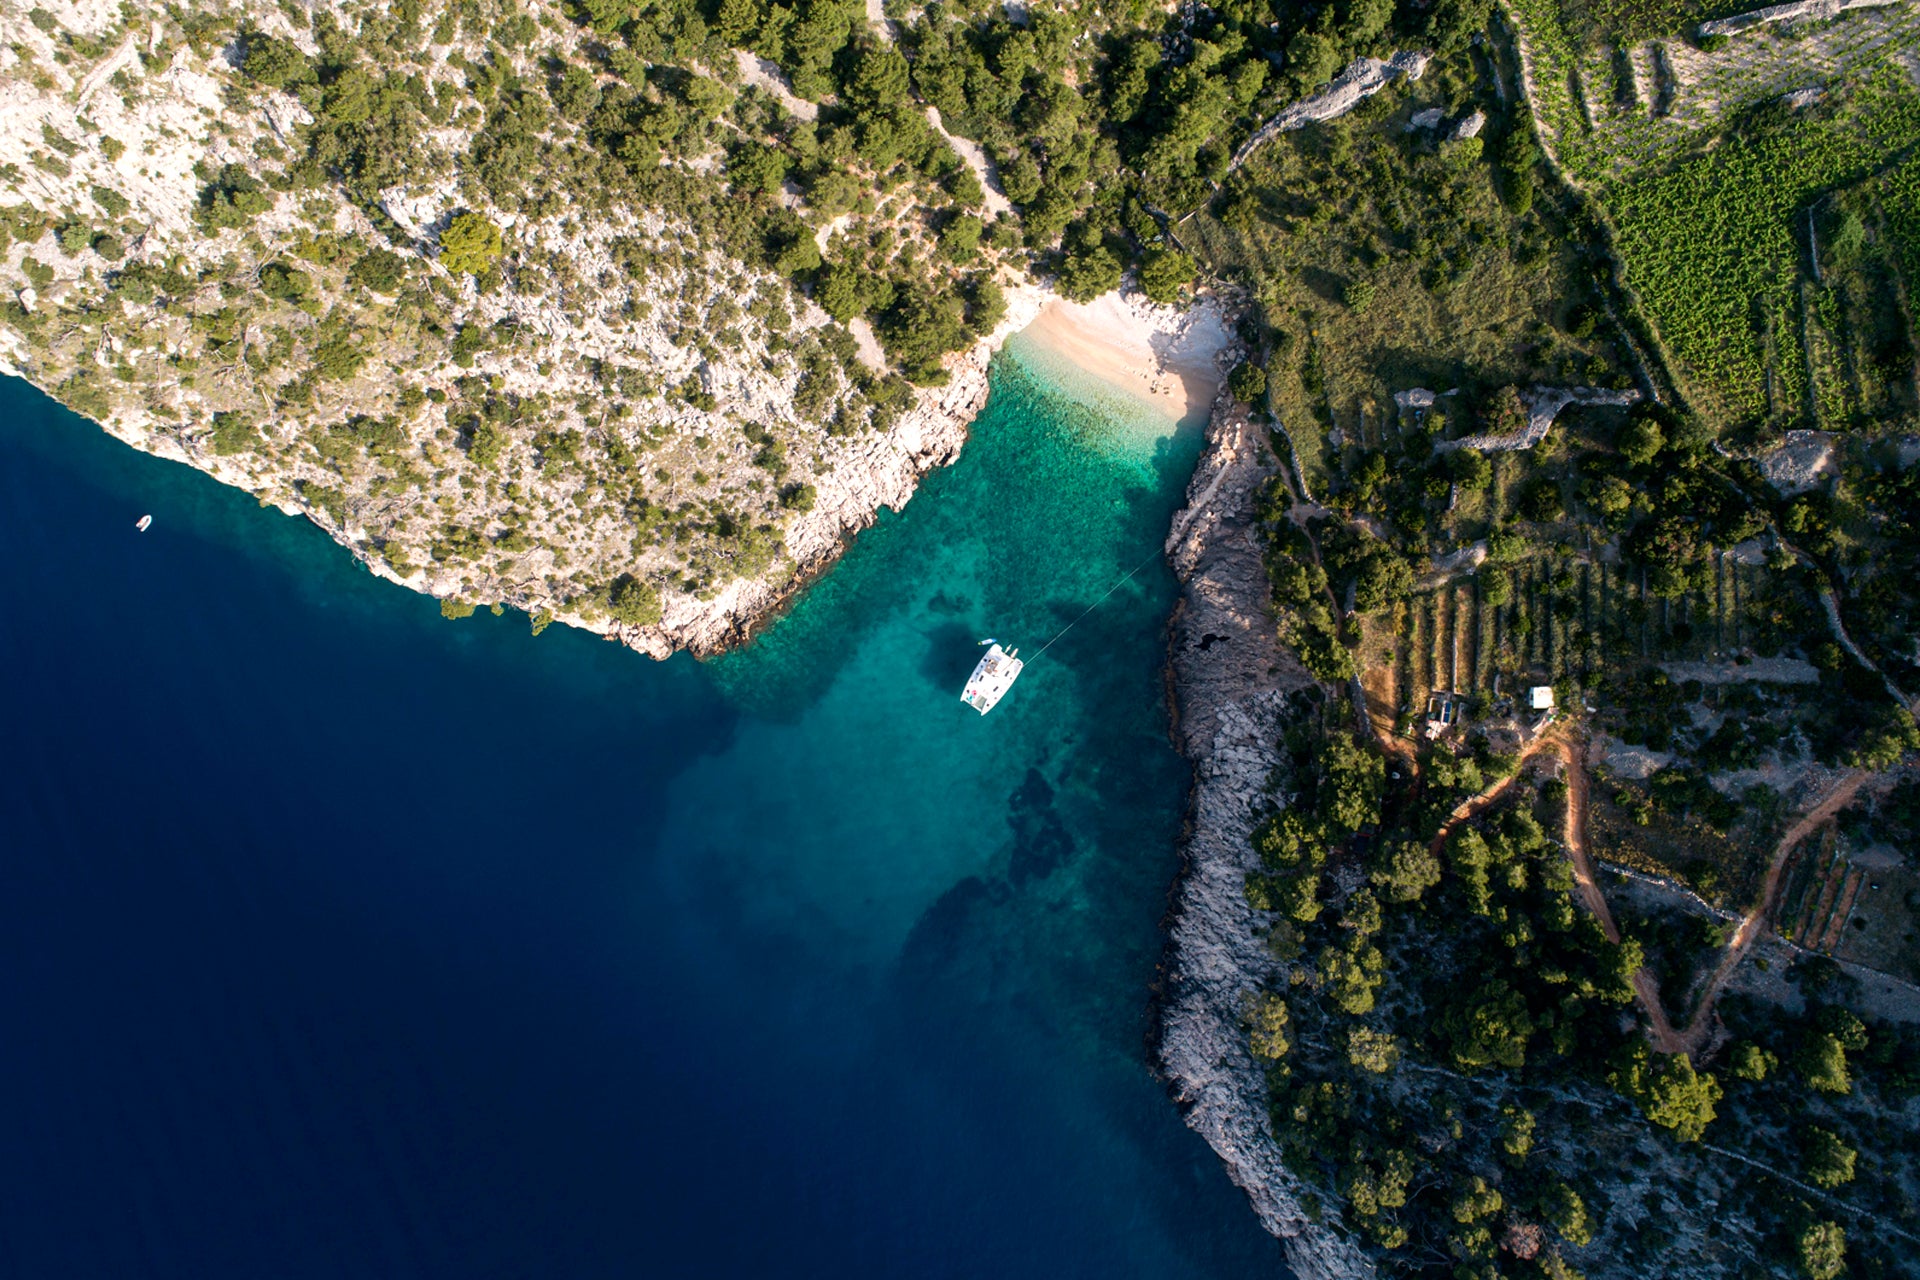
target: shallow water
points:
(340, 939)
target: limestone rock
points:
(1231, 680)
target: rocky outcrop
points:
(1543, 406)
(1231, 678)
(656, 410)
(1801, 11)
(1360, 81)
(1803, 462)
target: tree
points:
(1287, 839)
(1352, 974)
(1164, 273)
(453, 608)
(1566, 1213)
(1475, 1200)
(634, 602)
(1298, 897)
(1269, 1035)
(1823, 1251)
(576, 93)
(1470, 858)
(837, 290)
(960, 238)
(1352, 778)
(1671, 1093)
(1516, 1135)
(233, 433)
(1490, 1028)
(470, 244)
(1409, 871)
(1507, 414)
(986, 305)
(879, 78)
(1470, 470)
(1247, 382)
(275, 62)
(1641, 440)
(921, 326)
(1750, 1062)
(1384, 578)
(380, 270)
(1370, 1050)
(1827, 1160)
(1821, 1061)
(1088, 272)
(1362, 913)
(1311, 61)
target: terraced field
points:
(1711, 180)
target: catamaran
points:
(991, 679)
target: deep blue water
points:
(337, 939)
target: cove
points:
(339, 939)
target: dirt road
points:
(1837, 797)
(1665, 1039)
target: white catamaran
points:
(992, 678)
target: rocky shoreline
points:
(1231, 681)
(883, 473)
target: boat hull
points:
(991, 678)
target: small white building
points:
(1540, 697)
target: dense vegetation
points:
(1461, 1068)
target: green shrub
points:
(470, 244)
(1164, 273)
(233, 433)
(1247, 382)
(112, 201)
(233, 199)
(275, 62)
(380, 270)
(634, 602)
(285, 283)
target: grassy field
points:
(1387, 259)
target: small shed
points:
(1540, 697)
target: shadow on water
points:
(952, 653)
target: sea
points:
(341, 940)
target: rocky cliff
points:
(1232, 678)
(223, 237)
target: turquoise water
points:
(427, 948)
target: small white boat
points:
(143, 523)
(992, 678)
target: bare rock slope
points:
(1232, 678)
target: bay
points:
(337, 938)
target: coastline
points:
(1161, 357)
(1164, 357)
(1230, 685)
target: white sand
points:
(1161, 356)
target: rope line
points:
(1095, 605)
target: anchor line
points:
(1095, 605)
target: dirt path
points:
(1838, 796)
(1665, 1039)
(1472, 808)
(1574, 754)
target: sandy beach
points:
(1162, 356)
